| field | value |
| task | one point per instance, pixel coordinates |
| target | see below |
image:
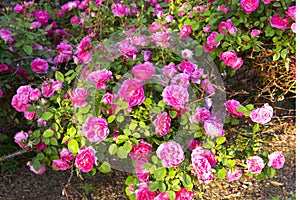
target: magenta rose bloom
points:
(162, 124)
(95, 129)
(60, 164)
(39, 171)
(41, 146)
(233, 175)
(78, 97)
(292, 12)
(17, 103)
(211, 40)
(175, 95)
(21, 138)
(143, 71)
(19, 8)
(132, 92)
(120, 10)
(262, 115)
(184, 194)
(154, 27)
(6, 36)
(42, 16)
(107, 98)
(201, 113)
(255, 32)
(255, 164)
(86, 159)
(47, 89)
(201, 152)
(277, 22)
(276, 160)
(170, 153)
(214, 128)
(35, 94)
(231, 106)
(193, 144)
(181, 79)
(141, 173)
(100, 78)
(29, 115)
(66, 155)
(185, 31)
(228, 57)
(162, 196)
(143, 192)
(249, 5)
(140, 151)
(201, 167)
(39, 66)
(169, 70)
(1, 93)
(187, 67)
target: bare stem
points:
(9, 156)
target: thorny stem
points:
(9, 156)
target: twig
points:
(12, 155)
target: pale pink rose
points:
(193, 144)
(120, 10)
(107, 98)
(170, 153)
(24, 93)
(176, 96)
(60, 164)
(66, 155)
(28, 3)
(187, 67)
(141, 173)
(277, 22)
(201, 152)
(231, 106)
(233, 175)
(211, 40)
(137, 40)
(162, 124)
(132, 92)
(255, 33)
(39, 171)
(249, 5)
(208, 87)
(162, 196)
(255, 164)
(100, 77)
(201, 167)
(276, 160)
(223, 8)
(267, 1)
(262, 115)
(19, 8)
(207, 29)
(56, 85)
(69, 6)
(293, 27)
(35, 94)
(41, 146)
(143, 192)
(187, 54)
(155, 27)
(35, 25)
(42, 16)
(181, 79)
(95, 129)
(169, 18)
(185, 31)
(128, 50)
(21, 138)
(161, 38)
(292, 12)
(143, 71)
(78, 97)
(86, 159)
(169, 70)
(6, 36)
(214, 128)
(140, 151)
(39, 65)
(184, 194)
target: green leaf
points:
(235, 121)
(173, 114)
(153, 186)
(160, 173)
(121, 153)
(220, 140)
(221, 173)
(48, 133)
(110, 119)
(171, 195)
(271, 172)
(55, 126)
(73, 146)
(47, 115)
(59, 76)
(31, 108)
(121, 139)
(127, 146)
(175, 187)
(161, 103)
(255, 128)
(209, 144)
(129, 180)
(36, 164)
(27, 49)
(276, 56)
(219, 37)
(53, 141)
(40, 156)
(113, 148)
(185, 179)
(284, 53)
(120, 118)
(105, 167)
(250, 106)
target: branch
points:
(9, 156)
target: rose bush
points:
(85, 111)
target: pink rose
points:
(249, 5)
(238, 63)
(201, 152)
(175, 95)
(35, 25)
(214, 128)
(202, 114)
(155, 27)
(162, 124)
(35, 94)
(47, 89)
(169, 70)
(120, 10)
(95, 129)
(39, 65)
(193, 144)
(292, 12)
(234, 175)
(66, 155)
(143, 71)
(29, 115)
(147, 55)
(223, 8)
(19, 8)
(18, 103)
(185, 31)
(143, 192)
(277, 22)
(262, 115)
(41, 146)
(211, 40)
(42, 16)
(107, 98)
(75, 20)
(255, 33)
(141, 173)
(69, 6)
(1, 93)
(78, 97)
(276, 160)
(231, 106)
(86, 159)
(169, 18)
(132, 92)
(293, 27)
(21, 138)
(6, 36)
(181, 79)
(201, 167)
(60, 164)
(162, 196)
(100, 78)
(170, 153)
(161, 38)
(228, 57)
(187, 54)
(208, 87)
(184, 194)
(206, 29)
(39, 171)
(140, 151)
(255, 164)
(127, 49)
(267, 1)
(187, 67)
(228, 26)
